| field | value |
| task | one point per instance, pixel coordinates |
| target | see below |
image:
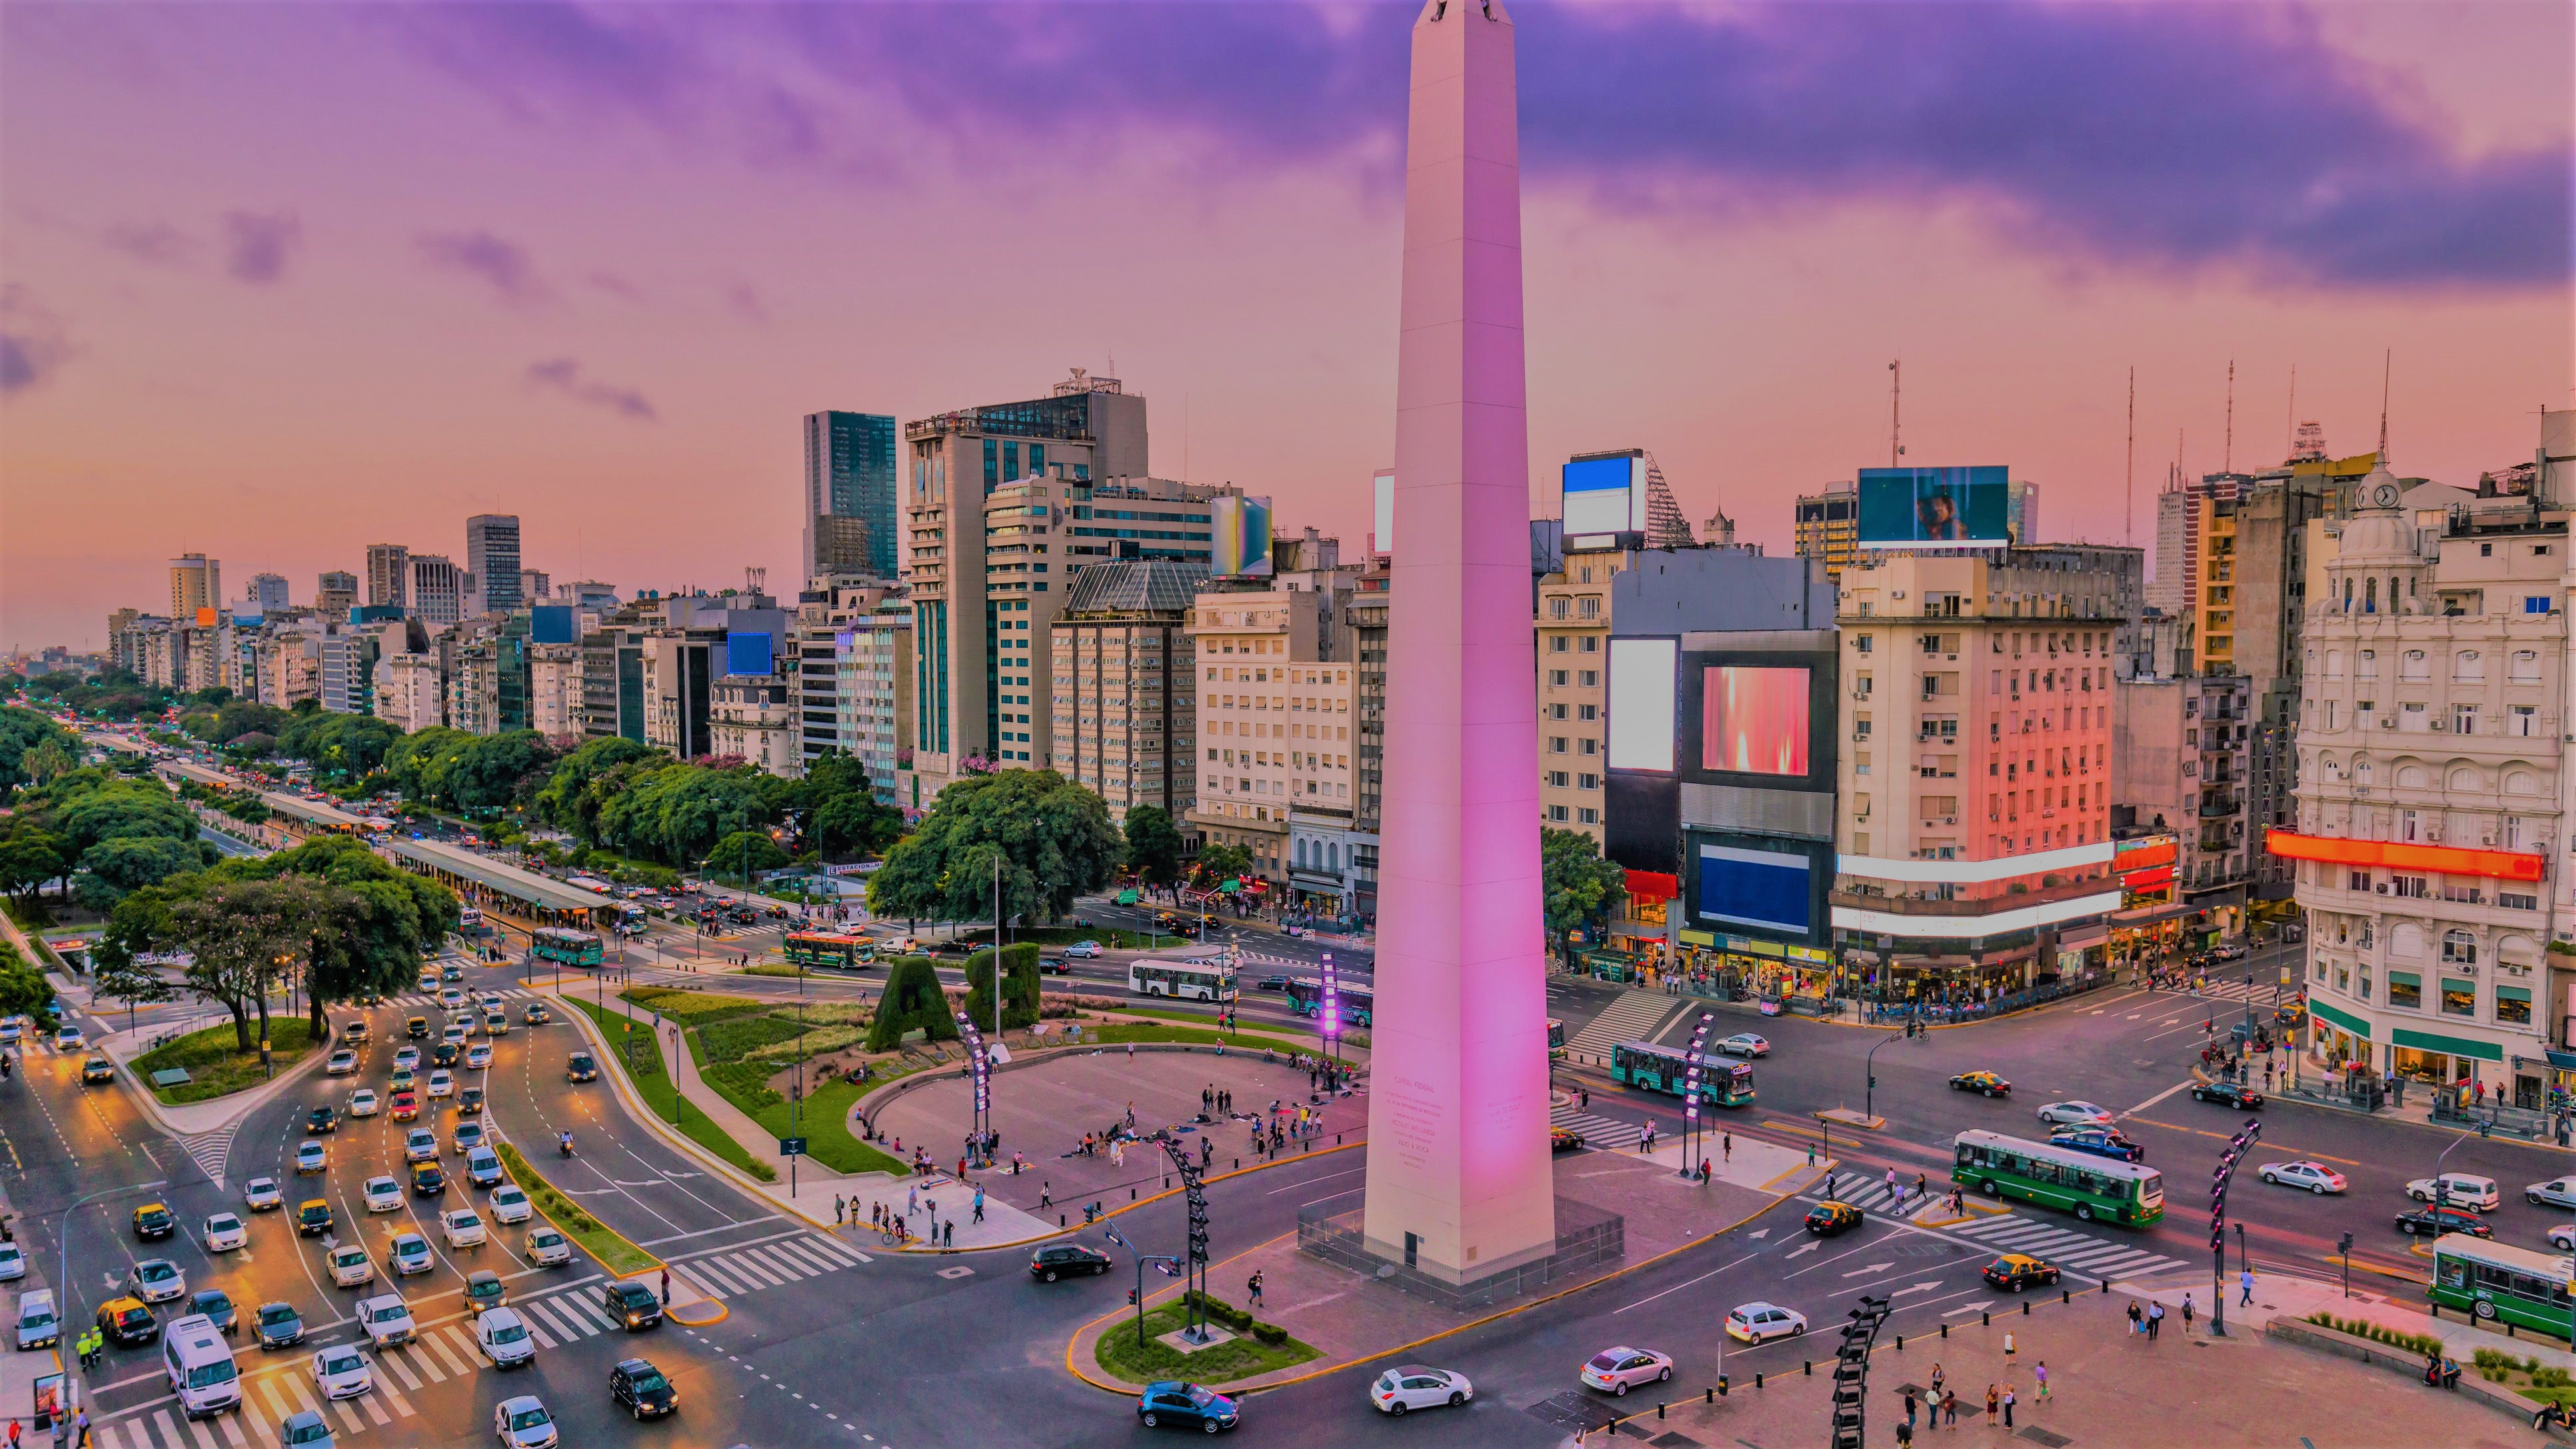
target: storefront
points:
(2336, 1037)
(1719, 963)
(1641, 924)
(2438, 1060)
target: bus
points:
(1306, 998)
(572, 948)
(1555, 1039)
(1187, 980)
(469, 920)
(824, 948)
(592, 884)
(2499, 1283)
(1663, 1069)
(2128, 1193)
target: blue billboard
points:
(553, 624)
(1763, 889)
(1604, 493)
(1935, 507)
(749, 653)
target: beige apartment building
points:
(1124, 696)
(1276, 706)
(1573, 630)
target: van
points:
(37, 1325)
(2457, 1189)
(200, 1366)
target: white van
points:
(2457, 1189)
(200, 1365)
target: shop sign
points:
(1770, 1007)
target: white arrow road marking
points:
(2158, 1097)
(1977, 1307)
(1916, 1288)
(1805, 1248)
(1758, 1234)
(1872, 1268)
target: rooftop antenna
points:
(2290, 425)
(1895, 412)
(2129, 479)
(2385, 359)
(2227, 453)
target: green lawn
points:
(599, 1240)
(824, 1123)
(1350, 1036)
(653, 1084)
(215, 1069)
(1242, 1357)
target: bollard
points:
(1712, 1396)
(2106, 1287)
(1721, 1386)
(2508, 1329)
(1306, 1146)
(1808, 1367)
(1238, 1164)
(1659, 1413)
(2025, 1308)
(1985, 1319)
(1757, 1381)
(2064, 1297)
(1059, 1220)
(1945, 1330)
(1900, 1343)
(1131, 1194)
(1337, 1139)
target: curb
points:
(250, 1100)
(2358, 1266)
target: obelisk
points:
(1458, 1178)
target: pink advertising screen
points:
(1754, 720)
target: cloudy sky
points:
(279, 281)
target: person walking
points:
(2245, 1288)
(666, 1287)
(2010, 1348)
(2039, 1374)
(2186, 1313)
(1252, 1288)
(2008, 1408)
(1950, 1408)
(2137, 1318)
(1046, 1195)
(1909, 1406)
(1938, 1377)
(979, 1204)
(837, 1209)
(2155, 1321)
(1726, 1147)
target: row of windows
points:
(1590, 678)
(2467, 665)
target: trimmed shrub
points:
(1269, 1333)
(913, 1000)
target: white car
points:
(2075, 1114)
(510, 1205)
(2314, 1176)
(2563, 1236)
(342, 1063)
(341, 1372)
(407, 1059)
(386, 1319)
(478, 1056)
(410, 1254)
(1617, 1370)
(548, 1248)
(523, 1423)
(1745, 1044)
(383, 1195)
(496, 1022)
(503, 1337)
(261, 1195)
(2556, 1192)
(464, 1228)
(450, 999)
(441, 1084)
(1413, 1386)
(69, 1039)
(13, 1264)
(156, 1280)
(350, 1266)
(223, 1232)
(420, 1145)
(365, 1103)
(1755, 1322)
(2459, 1190)
(1092, 948)
(312, 1156)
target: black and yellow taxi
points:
(2015, 1271)
(1560, 1139)
(427, 1180)
(313, 1219)
(1984, 1084)
(1829, 1219)
(96, 1070)
(154, 1220)
(417, 1028)
(127, 1322)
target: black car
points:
(278, 1326)
(1051, 966)
(642, 1388)
(445, 1054)
(2227, 1094)
(417, 1028)
(581, 1068)
(469, 1101)
(2435, 1221)
(632, 1304)
(1273, 983)
(484, 1289)
(320, 1120)
(1060, 1260)
(212, 1303)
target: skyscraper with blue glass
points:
(849, 494)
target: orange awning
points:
(2398, 855)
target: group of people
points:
(1939, 1403)
(898, 1225)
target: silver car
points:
(2556, 1192)
(2075, 1114)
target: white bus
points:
(200, 1366)
(1185, 980)
(592, 884)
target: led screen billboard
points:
(1239, 530)
(1642, 673)
(749, 653)
(1764, 889)
(1753, 720)
(1935, 507)
(1604, 494)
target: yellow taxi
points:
(313, 1218)
(1984, 1084)
(2015, 1271)
(1829, 1219)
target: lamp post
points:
(1869, 1066)
(2237, 1147)
(1329, 1012)
(1693, 1065)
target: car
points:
(427, 1180)
(2227, 1094)
(311, 1157)
(2459, 1190)
(322, 1119)
(2563, 1236)
(383, 1195)
(2075, 1114)
(485, 1290)
(1984, 1084)
(223, 1232)
(463, 1228)
(156, 1280)
(97, 1070)
(547, 1247)
(581, 1067)
(441, 1084)
(306, 1429)
(1564, 1139)
(1054, 965)
(341, 1372)
(261, 1195)
(495, 1023)
(341, 1063)
(483, 1167)
(126, 1322)
(1745, 1044)
(2015, 1271)
(1273, 983)
(470, 1101)
(1617, 1370)
(1174, 1404)
(642, 1389)
(478, 1056)
(11, 1028)
(466, 1135)
(409, 1253)
(1758, 1321)
(2557, 1192)
(1832, 1219)
(523, 1423)
(365, 1103)
(2316, 1177)
(277, 1325)
(1416, 1386)
(154, 1221)
(385, 1319)
(313, 1218)
(350, 1265)
(451, 999)
(417, 1028)
(407, 1059)
(632, 1304)
(355, 1031)
(37, 1325)
(509, 1204)
(216, 1307)
(406, 1105)
(420, 1145)
(69, 1039)
(1063, 1260)
(1083, 949)
(2101, 1142)
(535, 1014)
(13, 1264)
(449, 1051)
(502, 1335)
(2435, 1221)
(403, 1080)
(451, 974)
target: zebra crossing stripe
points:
(401, 1370)
(233, 1429)
(779, 1256)
(583, 1311)
(394, 1396)
(799, 1251)
(695, 1283)
(536, 1326)
(349, 1415)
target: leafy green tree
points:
(857, 824)
(24, 991)
(244, 936)
(29, 857)
(339, 746)
(677, 813)
(1049, 839)
(1222, 862)
(23, 730)
(567, 801)
(1020, 986)
(1154, 846)
(92, 805)
(912, 1000)
(122, 864)
(743, 854)
(1580, 885)
(47, 761)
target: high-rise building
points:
(196, 582)
(850, 468)
(1123, 693)
(268, 593)
(872, 697)
(434, 589)
(753, 711)
(492, 557)
(535, 587)
(336, 594)
(1828, 526)
(1372, 601)
(1277, 696)
(388, 575)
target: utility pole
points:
(1895, 414)
(2386, 359)
(2129, 479)
(2227, 452)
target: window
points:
(2535, 604)
(2459, 948)
(2356, 880)
(1556, 679)
(2464, 719)
(2525, 668)
(1588, 711)
(2369, 665)
(1555, 643)
(1556, 779)
(2413, 665)
(1588, 782)
(2459, 998)
(2468, 665)
(2513, 1005)
(1591, 643)
(1557, 813)
(1591, 678)
(1586, 815)
(2521, 720)
(2405, 988)
(1556, 744)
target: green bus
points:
(572, 948)
(1664, 1069)
(825, 948)
(2127, 1193)
(2499, 1283)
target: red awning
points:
(2397, 855)
(1648, 885)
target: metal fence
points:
(1587, 1238)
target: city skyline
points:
(332, 358)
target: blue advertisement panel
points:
(1239, 536)
(1935, 507)
(553, 624)
(1764, 889)
(748, 654)
(1604, 495)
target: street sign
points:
(791, 1146)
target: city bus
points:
(469, 920)
(1555, 1039)
(592, 884)
(2500, 1283)
(1306, 998)
(2127, 1193)
(1663, 1069)
(824, 948)
(572, 948)
(1186, 980)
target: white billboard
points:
(1642, 722)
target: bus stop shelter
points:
(522, 895)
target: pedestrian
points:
(2040, 1373)
(666, 1287)
(1893, 1190)
(2137, 1319)
(1922, 1186)
(911, 1200)
(1583, 1099)
(2155, 1321)
(2245, 1288)
(2008, 1407)
(836, 1210)
(1950, 1408)
(1811, 1154)
(2186, 1313)
(1726, 1147)
(979, 1204)
(1938, 1377)
(1252, 1288)
(1994, 1401)
(1909, 1406)
(1905, 1434)
(1703, 1171)
(2010, 1348)
(1046, 1197)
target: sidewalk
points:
(19, 1371)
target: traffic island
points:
(614, 1253)
(1846, 1117)
(1239, 1347)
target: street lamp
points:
(1869, 1066)
(1694, 1064)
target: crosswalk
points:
(415, 1000)
(731, 1272)
(1873, 1196)
(2067, 1248)
(1629, 1018)
(1608, 1133)
(2267, 990)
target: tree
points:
(1580, 885)
(372, 921)
(566, 801)
(912, 1000)
(22, 730)
(740, 855)
(1223, 862)
(24, 991)
(848, 825)
(1019, 986)
(243, 937)
(123, 864)
(47, 761)
(30, 857)
(1049, 838)
(91, 805)
(678, 812)
(1153, 845)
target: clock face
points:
(2385, 495)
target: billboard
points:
(749, 653)
(1764, 889)
(1604, 493)
(1238, 536)
(1935, 507)
(1754, 720)
(1642, 673)
(553, 624)
(1382, 513)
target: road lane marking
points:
(1676, 1288)
(2180, 1086)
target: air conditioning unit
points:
(2439, 726)
(2382, 888)
(2388, 724)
